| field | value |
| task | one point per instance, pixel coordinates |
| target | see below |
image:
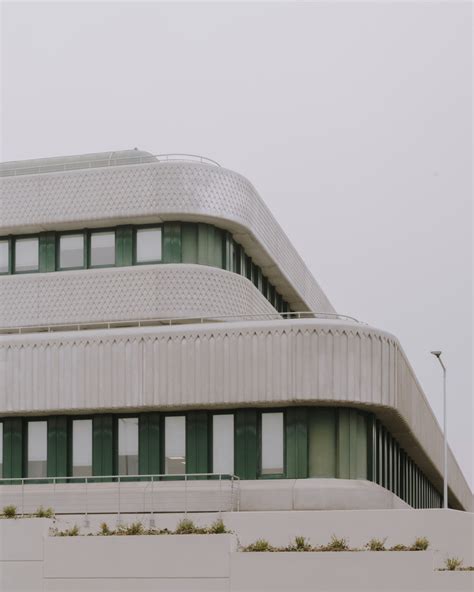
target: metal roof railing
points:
(111, 161)
(171, 321)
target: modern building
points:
(155, 319)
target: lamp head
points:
(436, 353)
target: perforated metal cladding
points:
(127, 293)
(128, 192)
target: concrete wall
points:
(201, 496)
(30, 560)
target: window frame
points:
(210, 437)
(260, 474)
(14, 241)
(173, 476)
(9, 240)
(117, 443)
(83, 233)
(134, 244)
(89, 232)
(70, 451)
(26, 438)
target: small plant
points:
(218, 527)
(453, 563)
(399, 548)
(134, 529)
(299, 544)
(376, 545)
(104, 530)
(73, 531)
(420, 544)
(186, 526)
(336, 544)
(44, 512)
(9, 511)
(259, 546)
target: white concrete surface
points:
(169, 556)
(211, 562)
(450, 532)
(316, 494)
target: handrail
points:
(29, 169)
(115, 478)
(171, 321)
(19, 487)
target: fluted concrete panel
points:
(126, 294)
(227, 365)
(161, 191)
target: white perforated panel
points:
(127, 293)
(34, 202)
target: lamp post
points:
(437, 354)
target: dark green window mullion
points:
(353, 443)
(149, 444)
(245, 449)
(396, 479)
(410, 483)
(279, 302)
(393, 462)
(9, 241)
(403, 480)
(13, 447)
(104, 445)
(124, 246)
(197, 442)
(228, 252)
(343, 444)
(57, 449)
(171, 242)
(237, 257)
(248, 268)
(47, 252)
(265, 286)
(189, 243)
(296, 426)
(371, 449)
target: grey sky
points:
(352, 120)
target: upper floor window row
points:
(76, 250)
(169, 242)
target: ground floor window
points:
(128, 445)
(175, 445)
(272, 444)
(223, 443)
(82, 447)
(37, 449)
(296, 442)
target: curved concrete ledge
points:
(317, 494)
(127, 294)
(159, 192)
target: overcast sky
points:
(353, 121)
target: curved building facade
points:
(155, 320)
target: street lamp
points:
(437, 354)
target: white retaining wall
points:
(31, 560)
